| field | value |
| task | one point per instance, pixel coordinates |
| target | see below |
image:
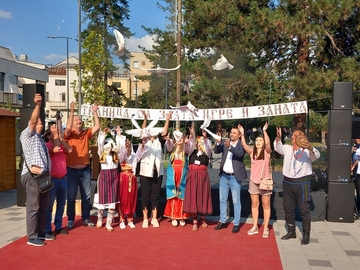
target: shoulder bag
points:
(43, 181)
(266, 183)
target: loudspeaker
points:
(342, 96)
(25, 114)
(355, 128)
(340, 126)
(318, 181)
(338, 163)
(340, 206)
(29, 91)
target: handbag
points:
(266, 183)
(43, 181)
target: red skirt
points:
(198, 191)
(128, 192)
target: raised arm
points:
(70, 120)
(96, 127)
(35, 113)
(144, 124)
(267, 139)
(246, 147)
(166, 126)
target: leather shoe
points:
(235, 229)
(220, 226)
(306, 239)
(289, 235)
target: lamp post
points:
(136, 80)
(67, 72)
(269, 100)
(166, 54)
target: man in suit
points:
(232, 172)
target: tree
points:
(98, 43)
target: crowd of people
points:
(188, 194)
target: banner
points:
(185, 114)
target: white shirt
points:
(296, 164)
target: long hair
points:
(262, 151)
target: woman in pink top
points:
(260, 159)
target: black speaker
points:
(29, 91)
(317, 181)
(340, 127)
(342, 96)
(338, 163)
(355, 128)
(340, 201)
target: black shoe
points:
(289, 235)
(48, 236)
(220, 226)
(235, 229)
(61, 231)
(306, 239)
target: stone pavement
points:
(333, 245)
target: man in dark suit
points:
(232, 172)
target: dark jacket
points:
(237, 159)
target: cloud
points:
(54, 57)
(5, 14)
(133, 43)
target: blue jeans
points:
(78, 178)
(58, 192)
(230, 182)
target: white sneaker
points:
(182, 223)
(155, 223)
(174, 222)
(122, 225)
(131, 225)
(145, 224)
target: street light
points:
(269, 100)
(166, 54)
(136, 80)
(67, 72)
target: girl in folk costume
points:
(177, 169)
(108, 182)
(260, 161)
(198, 192)
(128, 183)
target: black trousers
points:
(36, 205)
(357, 188)
(150, 191)
(293, 194)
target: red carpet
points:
(152, 248)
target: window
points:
(136, 64)
(63, 97)
(116, 84)
(143, 63)
(2, 75)
(46, 96)
(59, 82)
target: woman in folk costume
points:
(108, 182)
(177, 169)
(128, 183)
(198, 192)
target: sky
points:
(25, 25)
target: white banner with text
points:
(185, 114)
